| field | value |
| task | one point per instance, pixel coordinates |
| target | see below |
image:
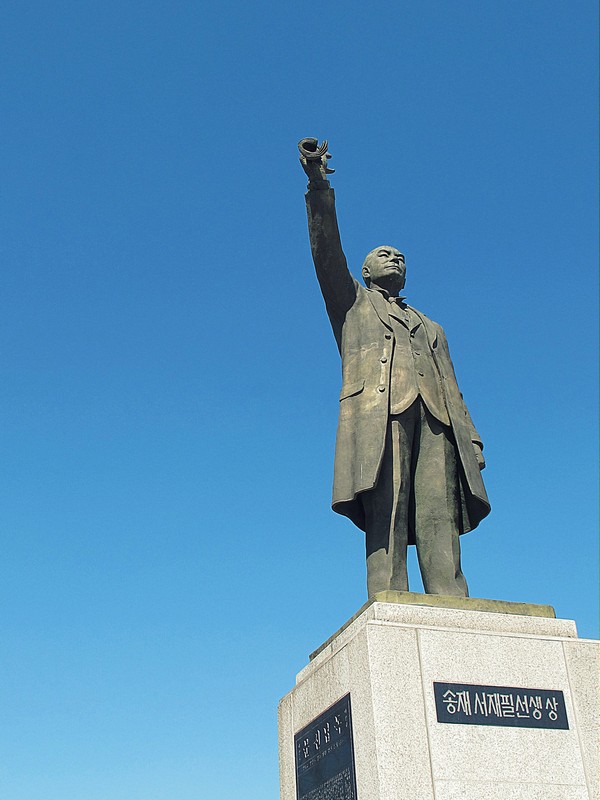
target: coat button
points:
(421, 374)
(381, 388)
(417, 353)
(383, 359)
(388, 335)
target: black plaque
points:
(469, 704)
(325, 756)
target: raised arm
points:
(337, 284)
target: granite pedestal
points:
(413, 702)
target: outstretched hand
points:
(314, 158)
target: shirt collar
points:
(387, 295)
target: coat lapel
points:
(428, 325)
(380, 304)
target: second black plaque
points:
(325, 756)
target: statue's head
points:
(385, 266)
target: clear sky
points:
(169, 380)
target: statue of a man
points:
(408, 457)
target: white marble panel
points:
(501, 754)
(399, 714)
(583, 665)
(454, 790)
(388, 657)
(472, 620)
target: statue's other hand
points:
(313, 158)
(479, 455)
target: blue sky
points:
(169, 381)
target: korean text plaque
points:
(515, 707)
(325, 756)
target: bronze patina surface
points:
(408, 457)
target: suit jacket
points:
(361, 326)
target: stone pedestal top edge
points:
(471, 613)
(464, 603)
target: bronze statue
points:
(408, 457)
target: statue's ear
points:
(366, 272)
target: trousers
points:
(416, 499)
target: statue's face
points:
(385, 266)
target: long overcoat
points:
(364, 336)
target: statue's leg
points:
(386, 510)
(437, 509)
